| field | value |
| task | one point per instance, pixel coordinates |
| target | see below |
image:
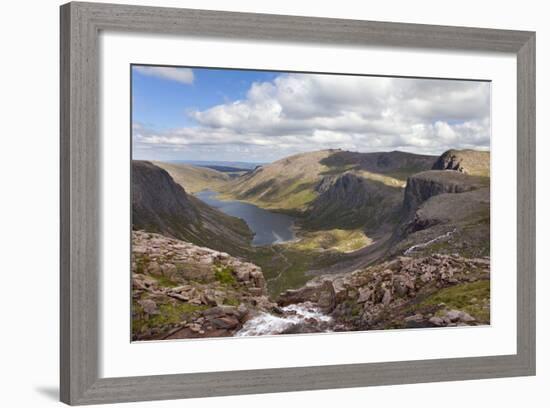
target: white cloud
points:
(181, 75)
(302, 112)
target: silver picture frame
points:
(81, 24)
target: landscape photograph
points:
(273, 203)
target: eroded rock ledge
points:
(405, 292)
(181, 290)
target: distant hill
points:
(224, 169)
(194, 178)
(207, 163)
(332, 188)
(286, 184)
(161, 205)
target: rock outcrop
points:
(320, 293)
(156, 199)
(443, 210)
(474, 162)
(427, 184)
(404, 292)
(181, 290)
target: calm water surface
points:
(269, 227)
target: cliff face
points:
(444, 209)
(474, 162)
(181, 290)
(423, 186)
(157, 201)
(349, 200)
(161, 205)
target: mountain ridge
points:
(291, 184)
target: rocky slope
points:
(444, 210)
(441, 211)
(433, 291)
(422, 186)
(161, 205)
(474, 162)
(352, 201)
(180, 290)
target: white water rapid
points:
(297, 314)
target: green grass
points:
(231, 301)
(297, 200)
(333, 170)
(354, 309)
(293, 197)
(285, 266)
(382, 178)
(164, 281)
(168, 314)
(335, 239)
(141, 262)
(224, 275)
(472, 298)
(405, 172)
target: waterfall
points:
(425, 244)
(303, 314)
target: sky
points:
(262, 116)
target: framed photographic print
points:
(248, 191)
(307, 203)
